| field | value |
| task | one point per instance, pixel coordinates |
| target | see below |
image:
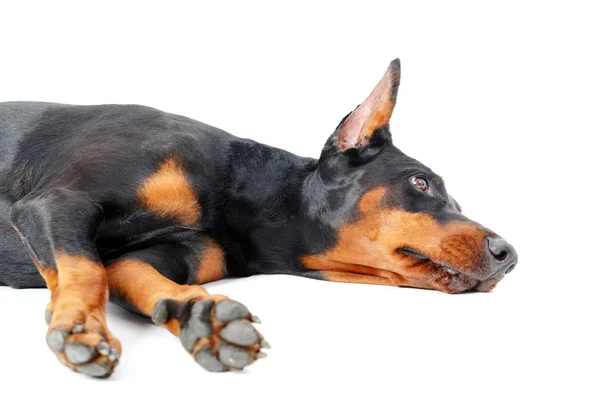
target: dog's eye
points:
(420, 183)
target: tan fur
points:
(368, 245)
(143, 286)
(79, 296)
(212, 264)
(168, 194)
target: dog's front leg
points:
(57, 227)
(215, 330)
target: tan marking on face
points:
(372, 240)
(349, 277)
(371, 200)
(168, 194)
(212, 264)
(344, 272)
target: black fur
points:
(70, 174)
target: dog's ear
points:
(358, 129)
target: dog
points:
(140, 207)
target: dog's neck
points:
(264, 182)
(271, 202)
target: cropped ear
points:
(358, 127)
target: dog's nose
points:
(503, 254)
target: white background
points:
(500, 98)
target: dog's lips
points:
(448, 270)
(441, 276)
(450, 280)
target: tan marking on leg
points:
(82, 282)
(50, 275)
(143, 286)
(82, 293)
(212, 264)
(167, 193)
(80, 298)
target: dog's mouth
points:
(440, 276)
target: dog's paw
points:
(82, 342)
(216, 331)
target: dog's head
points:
(393, 219)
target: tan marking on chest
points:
(168, 194)
(212, 264)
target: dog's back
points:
(104, 150)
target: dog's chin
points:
(443, 277)
(450, 280)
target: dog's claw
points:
(260, 354)
(255, 319)
(113, 355)
(78, 328)
(103, 348)
(97, 369)
(264, 344)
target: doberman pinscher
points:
(141, 206)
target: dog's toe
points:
(209, 361)
(100, 369)
(79, 353)
(198, 325)
(234, 356)
(56, 339)
(240, 332)
(217, 331)
(103, 348)
(84, 345)
(229, 310)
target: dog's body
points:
(244, 194)
(151, 205)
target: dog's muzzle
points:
(503, 259)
